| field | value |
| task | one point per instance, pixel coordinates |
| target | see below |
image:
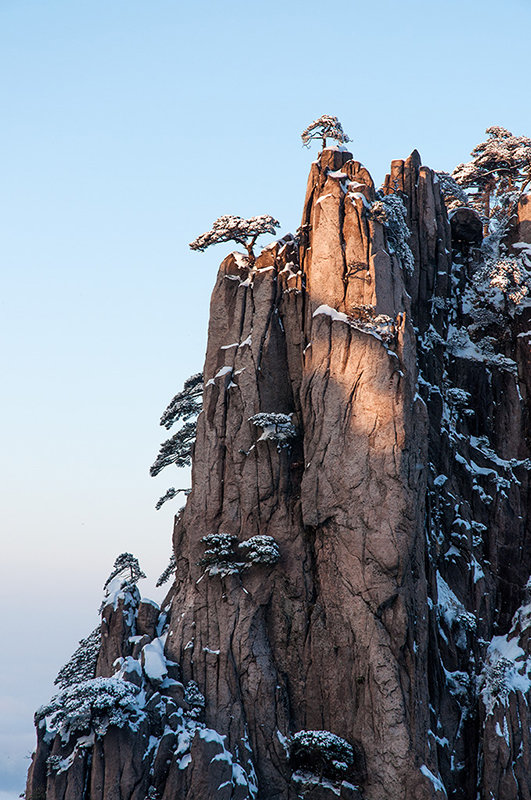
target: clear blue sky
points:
(127, 128)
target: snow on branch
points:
(260, 550)
(82, 664)
(224, 556)
(276, 428)
(390, 210)
(499, 170)
(170, 494)
(177, 450)
(321, 753)
(186, 404)
(127, 568)
(237, 229)
(326, 127)
(168, 572)
(454, 194)
(91, 706)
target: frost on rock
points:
(507, 665)
(91, 706)
(390, 210)
(82, 664)
(277, 428)
(322, 753)
(458, 620)
(260, 550)
(364, 318)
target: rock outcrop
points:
(350, 612)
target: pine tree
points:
(496, 175)
(126, 567)
(326, 127)
(82, 664)
(236, 229)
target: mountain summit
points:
(350, 613)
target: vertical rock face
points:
(349, 615)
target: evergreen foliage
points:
(325, 127)
(126, 567)
(186, 403)
(170, 569)
(322, 753)
(82, 664)
(229, 228)
(176, 450)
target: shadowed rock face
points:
(395, 485)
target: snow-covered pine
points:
(390, 210)
(186, 404)
(126, 567)
(322, 753)
(454, 195)
(365, 318)
(507, 275)
(170, 569)
(260, 550)
(170, 494)
(277, 428)
(90, 706)
(229, 228)
(220, 556)
(176, 450)
(82, 664)
(325, 127)
(195, 699)
(498, 172)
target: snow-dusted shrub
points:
(389, 209)
(229, 228)
(220, 554)
(91, 706)
(277, 428)
(326, 127)
(508, 275)
(260, 550)
(322, 753)
(497, 173)
(127, 568)
(170, 569)
(82, 664)
(176, 450)
(195, 699)
(170, 494)
(364, 317)
(454, 195)
(186, 403)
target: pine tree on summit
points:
(236, 229)
(326, 127)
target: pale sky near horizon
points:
(127, 128)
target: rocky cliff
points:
(350, 614)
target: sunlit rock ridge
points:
(357, 623)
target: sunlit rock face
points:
(349, 614)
